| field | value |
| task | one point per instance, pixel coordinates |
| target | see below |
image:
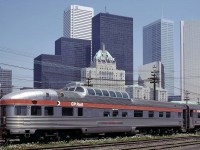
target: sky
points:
(29, 28)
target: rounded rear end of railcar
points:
(16, 112)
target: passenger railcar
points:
(192, 117)
(43, 113)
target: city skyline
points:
(29, 29)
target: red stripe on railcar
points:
(86, 104)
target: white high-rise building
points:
(77, 22)
(190, 60)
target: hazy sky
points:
(29, 28)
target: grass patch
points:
(87, 141)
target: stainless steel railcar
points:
(43, 113)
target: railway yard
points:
(145, 142)
(50, 119)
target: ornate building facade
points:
(103, 72)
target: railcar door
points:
(186, 118)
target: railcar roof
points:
(109, 100)
(32, 94)
(41, 94)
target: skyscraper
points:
(190, 52)
(5, 81)
(49, 72)
(158, 45)
(74, 52)
(116, 32)
(55, 71)
(77, 22)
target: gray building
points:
(158, 45)
(5, 81)
(190, 52)
(145, 72)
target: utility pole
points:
(89, 81)
(187, 97)
(1, 93)
(154, 79)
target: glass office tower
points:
(116, 32)
(55, 71)
(158, 45)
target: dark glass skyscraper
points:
(47, 72)
(55, 71)
(74, 52)
(116, 32)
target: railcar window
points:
(71, 89)
(179, 114)
(115, 113)
(106, 114)
(168, 114)
(36, 111)
(124, 114)
(66, 88)
(3, 111)
(47, 94)
(80, 111)
(119, 95)
(138, 113)
(198, 115)
(79, 89)
(105, 93)
(161, 114)
(98, 92)
(124, 95)
(67, 111)
(91, 92)
(48, 111)
(151, 114)
(62, 95)
(191, 113)
(21, 110)
(112, 94)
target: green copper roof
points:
(103, 55)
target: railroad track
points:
(165, 145)
(154, 144)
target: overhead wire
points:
(62, 66)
